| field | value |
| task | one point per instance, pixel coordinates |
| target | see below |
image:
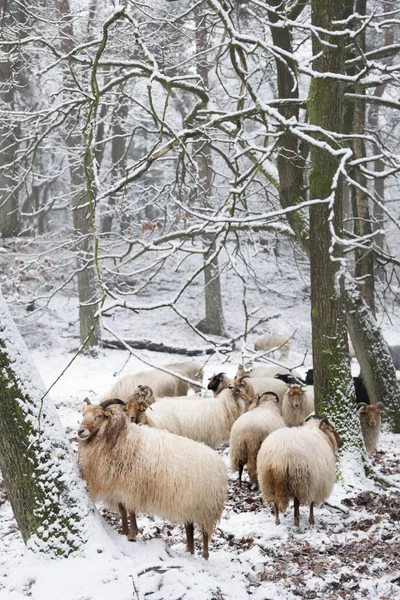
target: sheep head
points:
(295, 395)
(134, 410)
(216, 381)
(238, 392)
(98, 420)
(93, 418)
(371, 413)
(329, 429)
(263, 399)
(142, 393)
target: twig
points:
(134, 587)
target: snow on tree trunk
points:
(9, 209)
(334, 392)
(81, 179)
(373, 354)
(50, 504)
(213, 322)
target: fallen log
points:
(160, 347)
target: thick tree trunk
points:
(213, 322)
(333, 386)
(373, 354)
(48, 498)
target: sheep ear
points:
(324, 423)
(87, 401)
(107, 414)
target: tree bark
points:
(290, 162)
(88, 288)
(334, 393)
(214, 321)
(9, 209)
(364, 255)
(48, 498)
(373, 354)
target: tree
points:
(47, 496)
(9, 208)
(213, 322)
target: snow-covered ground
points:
(353, 551)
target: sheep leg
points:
(296, 512)
(205, 545)
(124, 518)
(240, 474)
(311, 519)
(252, 471)
(133, 529)
(189, 537)
(276, 512)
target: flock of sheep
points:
(148, 447)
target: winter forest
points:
(200, 293)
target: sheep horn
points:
(107, 403)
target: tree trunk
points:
(373, 354)
(290, 162)
(214, 322)
(88, 288)
(364, 255)
(334, 393)
(48, 498)
(118, 157)
(9, 209)
(379, 166)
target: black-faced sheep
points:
(298, 463)
(152, 471)
(251, 386)
(297, 404)
(221, 381)
(249, 432)
(162, 384)
(206, 420)
(359, 387)
(290, 379)
(274, 343)
(370, 419)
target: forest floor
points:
(352, 553)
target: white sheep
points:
(141, 413)
(370, 420)
(297, 404)
(260, 371)
(298, 463)
(249, 432)
(274, 343)
(207, 420)
(152, 471)
(162, 384)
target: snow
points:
(352, 552)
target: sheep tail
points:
(278, 484)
